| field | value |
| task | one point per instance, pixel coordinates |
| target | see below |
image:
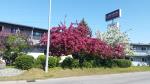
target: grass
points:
(58, 72)
(10, 66)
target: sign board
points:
(113, 15)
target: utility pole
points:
(48, 39)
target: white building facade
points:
(141, 54)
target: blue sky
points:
(135, 14)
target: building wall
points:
(6, 29)
(141, 48)
(140, 60)
(141, 55)
(32, 33)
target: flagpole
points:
(48, 39)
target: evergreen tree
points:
(84, 23)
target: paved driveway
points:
(125, 78)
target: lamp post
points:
(48, 39)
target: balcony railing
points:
(141, 50)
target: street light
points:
(48, 39)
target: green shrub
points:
(122, 63)
(53, 62)
(40, 62)
(108, 63)
(97, 63)
(41, 58)
(67, 63)
(24, 62)
(75, 63)
(88, 64)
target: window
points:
(143, 60)
(143, 48)
(134, 48)
(36, 34)
(13, 30)
(131, 59)
(0, 28)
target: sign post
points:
(48, 39)
(113, 15)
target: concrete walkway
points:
(10, 72)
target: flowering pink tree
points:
(118, 51)
(76, 38)
(66, 40)
(84, 28)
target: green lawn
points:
(59, 72)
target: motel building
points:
(141, 54)
(33, 33)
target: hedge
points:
(40, 62)
(24, 62)
(122, 63)
(52, 62)
(67, 63)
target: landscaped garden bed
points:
(36, 73)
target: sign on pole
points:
(113, 15)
